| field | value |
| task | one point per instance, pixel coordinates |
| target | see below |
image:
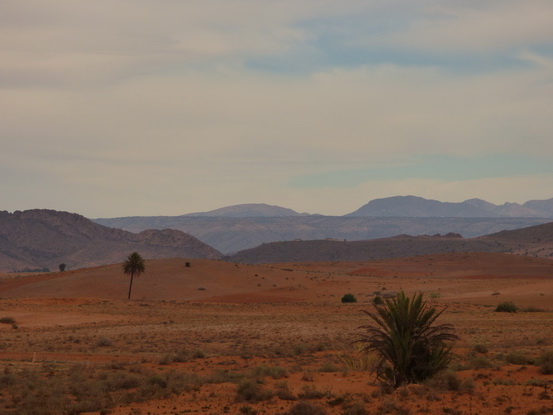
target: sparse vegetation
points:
(506, 307)
(7, 320)
(546, 363)
(410, 346)
(306, 408)
(250, 390)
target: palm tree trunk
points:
(130, 286)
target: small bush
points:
(103, 342)
(518, 358)
(546, 363)
(449, 381)
(378, 300)
(506, 307)
(283, 391)
(311, 392)
(480, 348)
(356, 408)
(250, 391)
(275, 372)
(349, 298)
(306, 408)
(7, 320)
(328, 367)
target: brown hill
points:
(535, 241)
(45, 238)
(532, 234)
(331, 250)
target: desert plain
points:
(215, 337)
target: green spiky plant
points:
(409, 345)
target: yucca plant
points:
(409, 345)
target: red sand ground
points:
(288, 315)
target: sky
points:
(140, 107)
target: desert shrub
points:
(449, 381)
(250, 391)
(506, 307)
(357, 359)
(307, 377)
(518, 358)
(283, 391)
(103, 342)
(409, 345)
(328, 367)
(480, 362)
(248, 410)
(198, 354)
(480, 348)
(377, 300)
(306, 408)
(349, 298)
(546, 363)
(7, 320)
(533, 310)
(311, 392)
(356, 408)
(275, 372)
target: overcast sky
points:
(165, 107)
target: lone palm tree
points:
(133, 266)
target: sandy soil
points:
(239, 322)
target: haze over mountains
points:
(240, 227)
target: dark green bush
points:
(506, 307)
(349, 298)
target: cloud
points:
(234, 101)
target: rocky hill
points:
(329, 250)
(36, 239)
(536, 241)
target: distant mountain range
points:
(39, 239)
(235, 228)
(36, 239)
(416, 207)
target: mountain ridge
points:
(42, 238)
(415, 206)
(232, 229)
